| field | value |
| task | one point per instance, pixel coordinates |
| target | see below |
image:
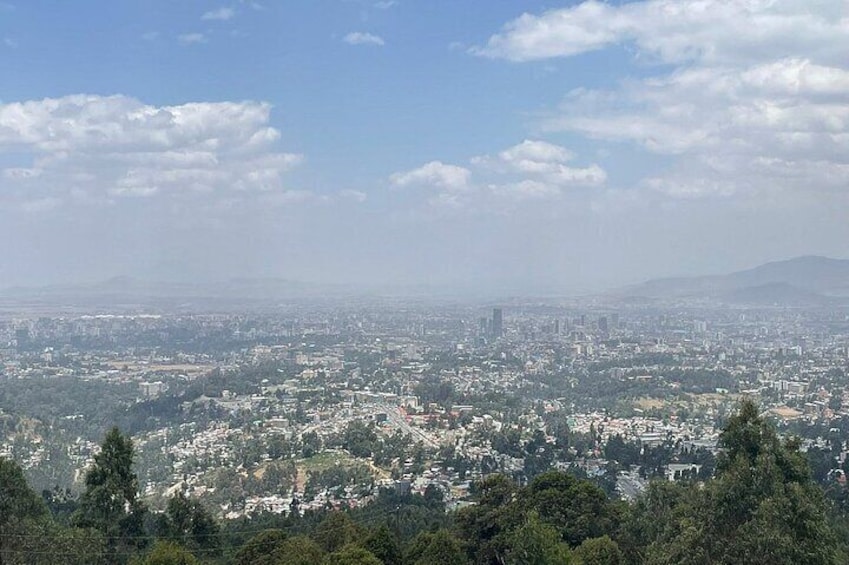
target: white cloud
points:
(254, 5)
(150, 36)
(363, 38)
(191, 38)
(751, 90)
(530, 170)
(543, 162)
(220, 14)
(536, 151)
(557, 33)
(116, 146)
(719, 121)
(385, 4)
(675, 31)
(434, 174)
(10, 43)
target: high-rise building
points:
(22, 338)
(557, 327)
(602, 324)
(497, 322)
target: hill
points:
(801, 281)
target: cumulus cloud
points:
(542, 163)
(115, 146)
(363, 38)
(536, 152)
(221, 14)
(752, 88)
(532, 169)
(435, 174)
(727, 126)
(717, 31)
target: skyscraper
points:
(497, 323)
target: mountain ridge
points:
(808, 279)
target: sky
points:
(519, 146)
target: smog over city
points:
(424, 282)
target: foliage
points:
(578, 509)
(438, 548)
(110, 502)
(537, 543)
(17, 499)
(260, 549)
(352, 554)
(188, 523)
(762, 507)
(336, 531)
(598, 551)
(169, 553)
(359, 438)
(383, 544)
(486, 526)
(298, 550)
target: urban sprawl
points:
(320, 405)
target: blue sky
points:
(500, 145)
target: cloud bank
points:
(101, 148)
(751, 96)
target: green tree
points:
(19, 505)
(359, 438)
(536, 543)
(260, 549)
(42, 542)
(336, 531)
(191, 525)
(438, 548)
(311, 444)
(598, 551)
(298, 550)
(384, 545)
(110, 502)
(352, 555)
(169, 553)
(577, 508)
(485, 526)
(762, 507)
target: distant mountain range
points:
(120, 286)
(802, 281)
(129, 293)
